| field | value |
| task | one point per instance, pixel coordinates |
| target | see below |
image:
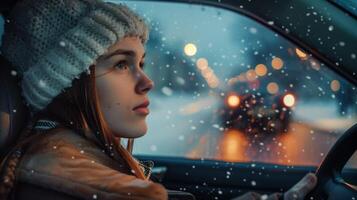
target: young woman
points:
(81, 67)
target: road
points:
(299, 146)
(186, 129)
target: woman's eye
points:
(122, 65)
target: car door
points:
(249, 95)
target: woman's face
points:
(122, 87)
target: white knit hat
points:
(51, 42)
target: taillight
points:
(233, 100)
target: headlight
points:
(289, 100)
(233, 100)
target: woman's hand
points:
(297, 192)
(302, 188)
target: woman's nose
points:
(144, 84)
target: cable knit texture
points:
(51, 42)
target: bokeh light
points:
(251, 75)
(277, 63)
(315, 64)
(302, 55)
(273, 88)
(261, 70)
(202, 63)
(289, 100)
(335, 85)
(233, 100)
(207, 73)
(190, 49)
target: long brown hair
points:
(76, 108)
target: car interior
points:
(208, 178)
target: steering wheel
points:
(330, 184)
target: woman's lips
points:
(142, 108)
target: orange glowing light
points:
(289, 100)
(202, 63)
(213, 82)
(207, 73)
(251, 75)
(277, 63)
(241, 77)
(335, 85)
(233, 100)
(302, 55)
(232, 81)
(273, 88)
(261, 70)
(233, 147)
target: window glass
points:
(228, 88)
(350, 5)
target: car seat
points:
(13, 112)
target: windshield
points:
(350, 5)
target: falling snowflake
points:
(167, 91)
(153, 148)
(180, 80)
(264, 197)
(181, 137)
(253, 183)
(62, 43)
(253, 30)
(13, 73)
(42, 83)
(215, 126)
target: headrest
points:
(13, 112)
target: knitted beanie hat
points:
(51, 42)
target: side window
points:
(228, 88)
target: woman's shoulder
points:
(61, 144)
(67, 162)
(60, 149)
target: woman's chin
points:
(133, 132)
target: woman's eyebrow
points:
(123, 52)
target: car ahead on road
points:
(256, 113)
(304, 46)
